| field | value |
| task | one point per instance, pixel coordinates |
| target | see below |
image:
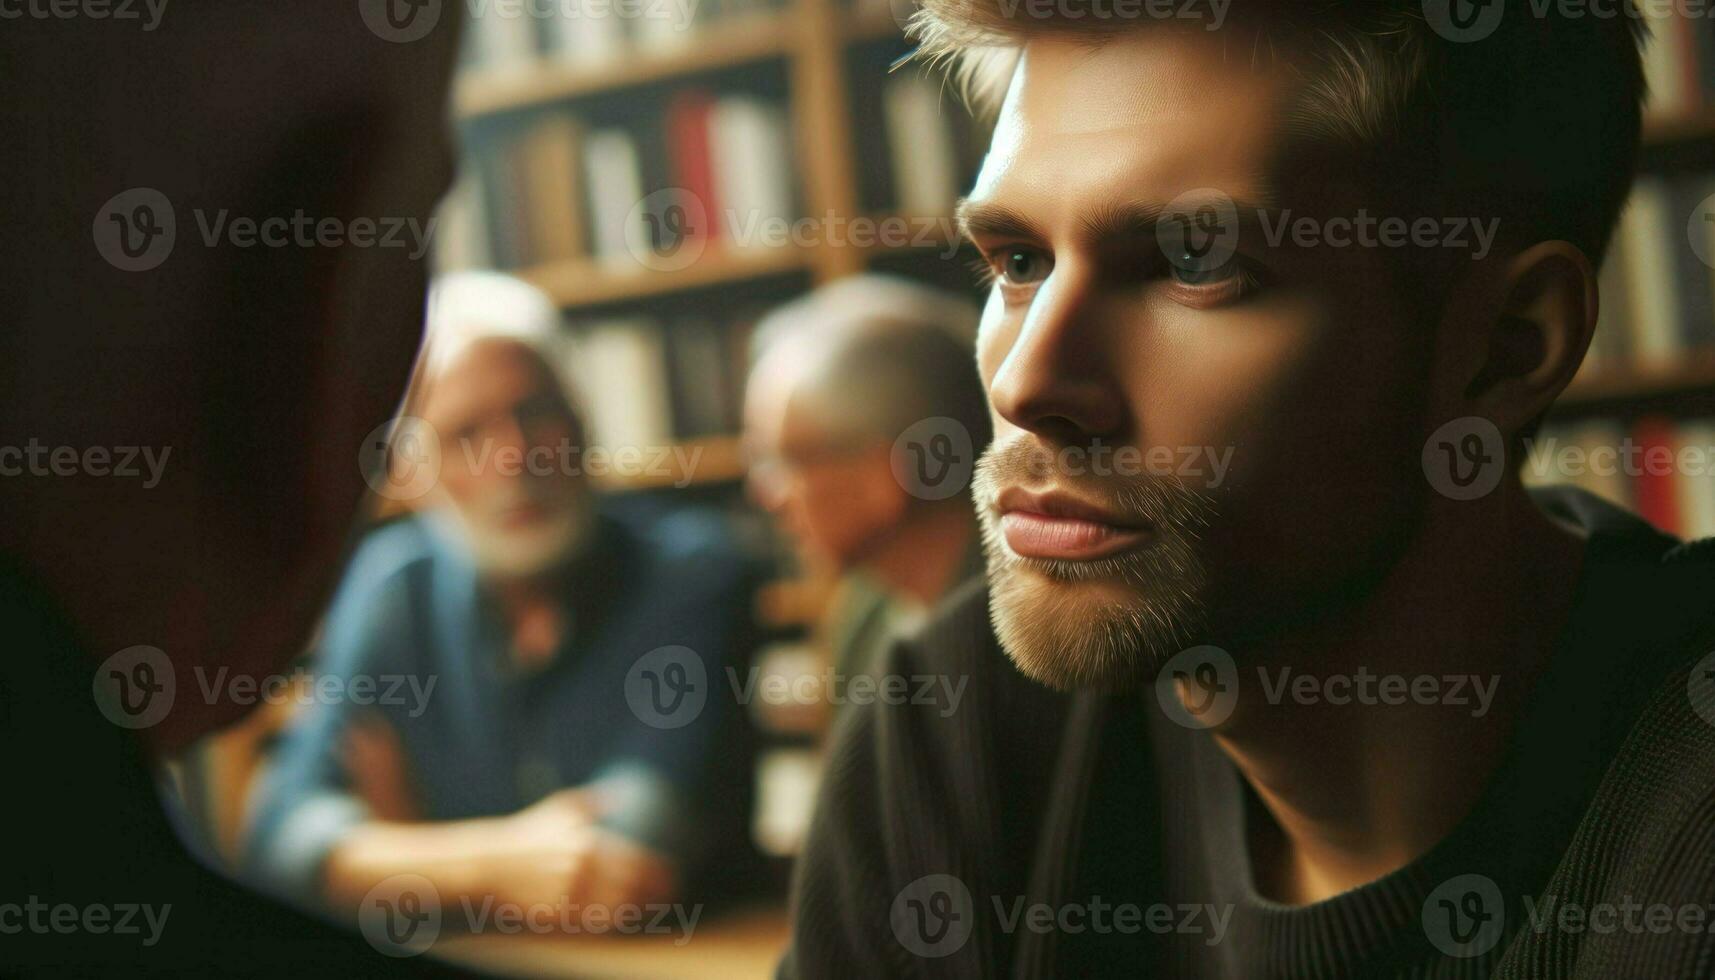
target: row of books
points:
(553, 190)
(1658, 281)
(693, 172)
(645, 382)
(521, 35)
(931, 149)
(1662, 468)
(1680, 62)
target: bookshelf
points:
(1695, 373)
(799, 58)
(814, 58)
(579, 283)
(743, 40)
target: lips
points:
(1061, 527)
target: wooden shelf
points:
(696, 462)
(1694, 372)
(583, 282)
(1661, 130)
(722, 44)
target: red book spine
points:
(1655, 482)
(688, 117)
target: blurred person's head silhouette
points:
(261, 369)
(851, 385)
(218, 225)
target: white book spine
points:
(615, 188)
(590, 39)
(505, 35)
(753, 172)
(925, 168)
(665, 26)
(1650, 268)
(622, 373)
(1663, 70)
(461, 233)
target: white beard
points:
(517, 553)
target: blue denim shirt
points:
(480, 738)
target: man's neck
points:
(1467, 620)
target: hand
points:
(550, 852)
(553, 851)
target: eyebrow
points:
(995, 220)
(1121, 221)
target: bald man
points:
(536, 772)
(863, 416)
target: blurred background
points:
(718, 233)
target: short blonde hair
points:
(1538, 123)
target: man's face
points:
(1119, 379)
(835, 498)
(509, 469)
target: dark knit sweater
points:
(1035, 834)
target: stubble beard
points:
(1106, 624)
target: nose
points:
(506, 437)
(765, 483)
(1056, 379)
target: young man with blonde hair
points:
(1353, 703)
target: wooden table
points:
(741, 944)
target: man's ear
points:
(1547, 316)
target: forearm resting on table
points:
(453, 855)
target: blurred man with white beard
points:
(527, 774)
